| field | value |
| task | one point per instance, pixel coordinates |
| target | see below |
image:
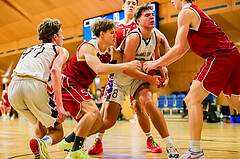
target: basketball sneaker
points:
(193, 155)
(79, 154)
(64, 145)
(39, 149)
(96, 147)
(172, 152)
(151, 144)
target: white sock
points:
(168, 141)
(148, 134)
(134, 116)
(47, 140)
(195, 145)
(99, 135)
(8, 114)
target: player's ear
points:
(138, 21)
(101, 34)
(55, 36)
(123, 7)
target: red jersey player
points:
(219, 72)
(89, 60)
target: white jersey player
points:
(29, 92)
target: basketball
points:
(158, 73)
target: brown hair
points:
(190, 1)
(141, 9)
(102, 25)
(48, 28)
(125, 1)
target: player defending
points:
(29, 92)
(90, 59)
(125, 26)
(219, 72)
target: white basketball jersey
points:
(144, 51)
(36, 62)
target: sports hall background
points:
(20, 18)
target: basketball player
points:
(219, 72)
(143, 44)
(125, 26)
(29, 93)
(6, 107)
(90, 59)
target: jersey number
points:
(40, 48)
(126, 31)
(115, 93)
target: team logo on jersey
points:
(104, 57)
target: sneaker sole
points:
(36, 147)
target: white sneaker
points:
(193, 155)
(172, 152)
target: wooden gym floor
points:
(126, 140)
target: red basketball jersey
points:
(123, 30)
(79, 70)
(208, 39)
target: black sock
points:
(78, 143)
(71, 137)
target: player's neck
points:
(128, 19)
(146, 32)
(102, 45)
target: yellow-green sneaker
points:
(79, 154)
(39, 149)
(65, 146)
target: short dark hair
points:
(125, 1)
(102, 25)
(190, 1)
(141, 9)
(48, 28)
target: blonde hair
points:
(48, 28)
(102, 25)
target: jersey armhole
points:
(55, 49)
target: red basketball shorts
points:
(73, 94)
(221, 72)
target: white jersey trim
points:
(188, 5)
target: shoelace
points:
(153, 142)
(171, 150)
(95, 142)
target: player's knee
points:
(190, 101)
(94, 112)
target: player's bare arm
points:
(56, 81)
(181, 44)
(95, 64)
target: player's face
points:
(147, 19)
(59, 38)
(110, 36)
(129, 7)
(177, 4)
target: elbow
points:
(99, 71)
(54, 70)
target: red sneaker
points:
(151, 144)
(96, 148)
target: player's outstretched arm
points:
(56, 81)
(95, 64)
(181, 45)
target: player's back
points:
(36, 62)
(207, 39)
